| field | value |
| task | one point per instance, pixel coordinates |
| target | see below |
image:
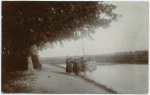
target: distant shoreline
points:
(137, 57)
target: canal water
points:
(123, 78)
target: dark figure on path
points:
(76, 67)
(67, 62)
(69, 66)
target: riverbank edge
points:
(91, 81)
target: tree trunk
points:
(29, 58)
(30, 64)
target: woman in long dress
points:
(76, 67)
(69, 65)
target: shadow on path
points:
(62, 73)
(58, 66)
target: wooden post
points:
(83, 53)
(83, 47)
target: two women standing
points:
(72, 65)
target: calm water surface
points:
(123, 78)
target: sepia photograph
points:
(74, 47)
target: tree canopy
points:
(27, 23)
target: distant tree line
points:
(137, 56)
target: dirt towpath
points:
(52, 79)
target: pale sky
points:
(129, 33)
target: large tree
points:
(28, 25)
